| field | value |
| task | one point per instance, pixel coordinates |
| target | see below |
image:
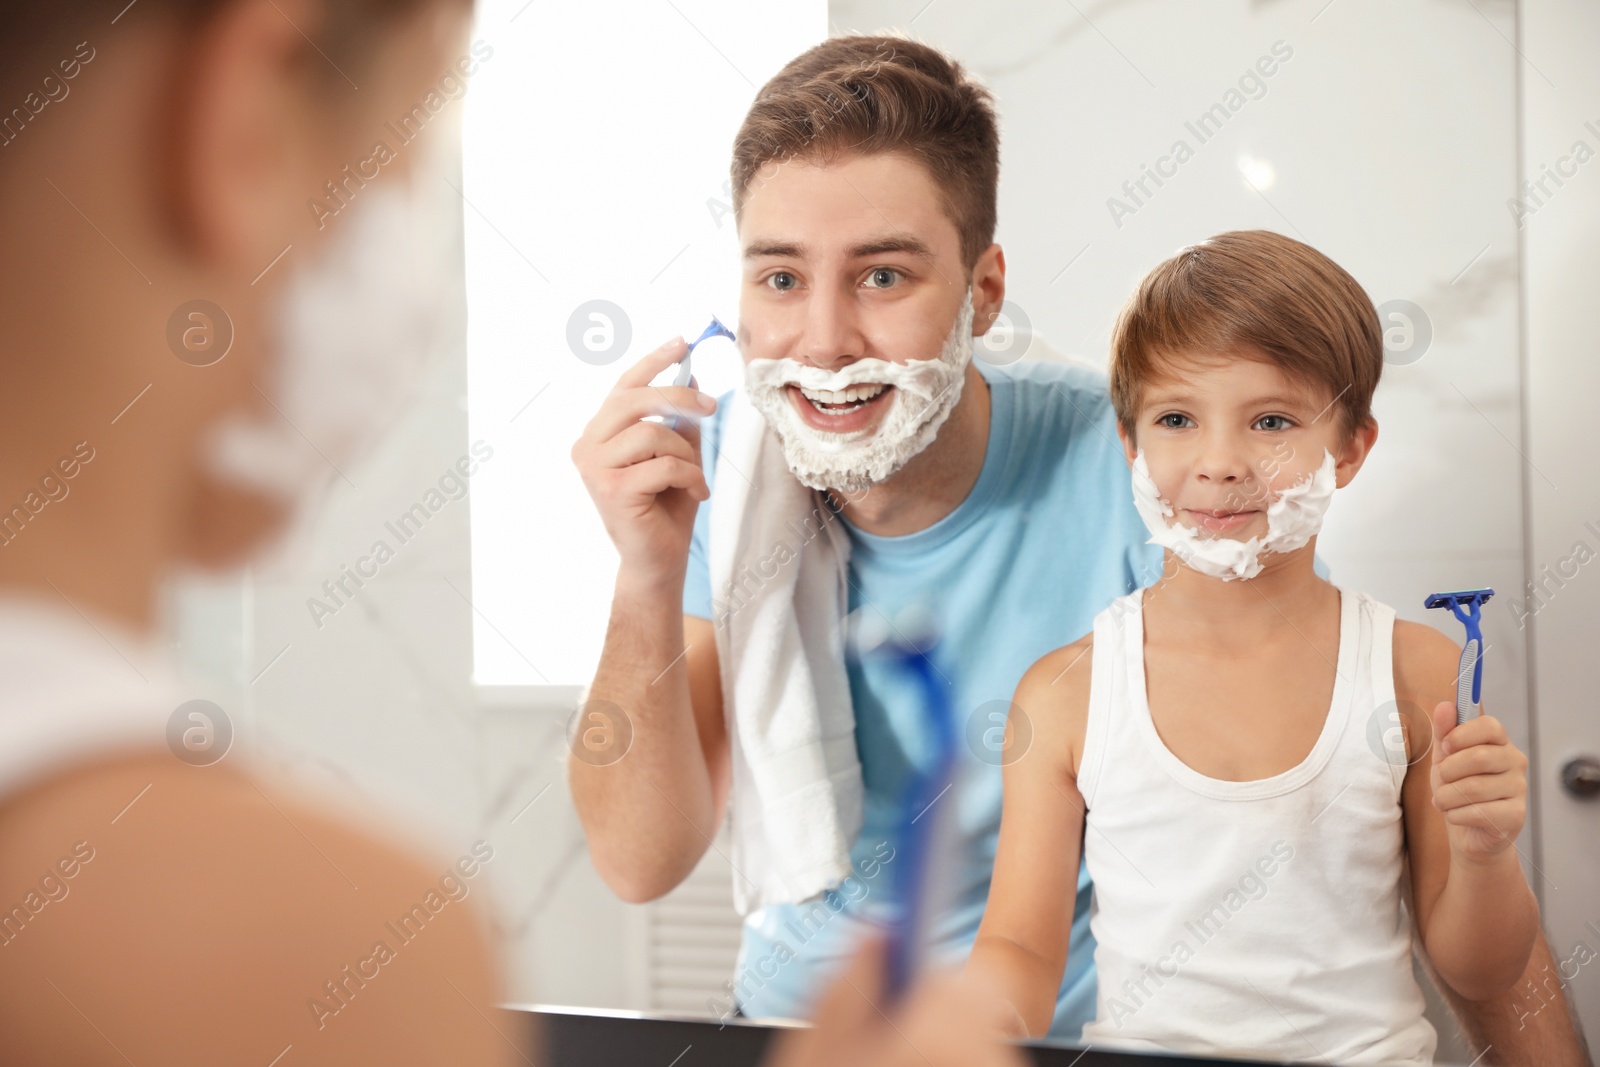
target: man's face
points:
(846, 261)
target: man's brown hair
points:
(868, 95)
(1272, 296)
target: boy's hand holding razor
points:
(1480, 784)
(1477, 914)
(1479, 780)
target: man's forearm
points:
(647, 811)
(1531, 1025)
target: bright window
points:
(596, 162)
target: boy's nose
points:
(1224, 471)
(1222, 464)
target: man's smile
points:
(841, 411)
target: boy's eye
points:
(1273, 423)
(1172, 420)
(783, 281)
(883, 277)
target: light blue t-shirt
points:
(1046, 539)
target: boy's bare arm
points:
(203, 916)
(1464, 801)
(1021, 948)
(1531, 1023)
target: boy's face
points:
(849, 260)
(1224, 435)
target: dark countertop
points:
(587, 1038)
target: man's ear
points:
(241, 163)
(1355, 452)
(988, 289)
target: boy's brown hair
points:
(35, 36)
(1256, 290)
(868, 95)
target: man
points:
(865, 183)
(160, 179)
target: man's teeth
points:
(853, 395)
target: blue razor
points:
(685, 372)
(925, 835)
(1469, 680)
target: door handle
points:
(1581, 777)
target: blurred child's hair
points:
(1264, 295)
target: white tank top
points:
(72, 690)
(1260, 918)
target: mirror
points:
(444, 681)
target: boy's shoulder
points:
(1426, 663)
(1054, 695)
(1422, 644)
(1423, 656)
(1060, 679)
(1069, 663)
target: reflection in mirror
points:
(449, 674)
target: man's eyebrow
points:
(897, 243)
(779, 249)
(875, 246)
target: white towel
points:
(779, 595)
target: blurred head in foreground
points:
(215, 279)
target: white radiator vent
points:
(692, 939)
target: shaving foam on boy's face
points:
(1294, 516)
(922, 393)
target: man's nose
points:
(832, 334)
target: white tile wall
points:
(1563, 379)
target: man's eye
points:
(783, 281)
(1173, 421)
(1273, 423)
(883, 277)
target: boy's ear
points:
(1130, 447)
(1355, 452)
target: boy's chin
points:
(1253, 530)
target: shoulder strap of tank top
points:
(1110, 635)
(1381, 676)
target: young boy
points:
(1242, 750)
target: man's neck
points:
(937, 479)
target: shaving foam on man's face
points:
(854, 278)
(917, 397)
